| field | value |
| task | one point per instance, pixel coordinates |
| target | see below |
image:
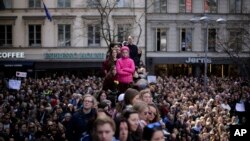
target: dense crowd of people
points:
(122, 106)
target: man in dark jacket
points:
(135, 52)
(82, 119)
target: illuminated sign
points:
(198, 60)
(74, 56)
(12, 55)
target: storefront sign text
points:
(74, 55)
(193, 60)
(12, 55)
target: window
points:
(64, 35)
(7, 3)
(123, 32)
(186, 39)
(185, 6)
(93, 3)
(34, 35)
(34, 3)
(235, 39)
(94, 38)
(123, 3)
(161, 39)
(5, 35)
(211, 39)
(160, 6)
(63, 3)
(210, 6)
(235, 6)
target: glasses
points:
(151, 113)
(88, 101)
(154, 125)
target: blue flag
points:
(47, 12)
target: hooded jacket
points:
(125, 68)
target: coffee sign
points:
(5, 55)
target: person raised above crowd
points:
(135, 52)
(125, 68)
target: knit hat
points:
(124, 48)
(130, 93)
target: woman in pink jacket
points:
(125, 69)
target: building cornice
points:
(64, 17)
(33, 17)
(188, 16)
(8, 17)
(123, 16)
(91, 17)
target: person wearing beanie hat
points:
(125, 48)
(125, 68)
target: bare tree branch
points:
(234, 48)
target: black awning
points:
(15, 63)
(61, 65)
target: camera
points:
(124, 43)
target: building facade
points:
(73, 40)
(176, 46)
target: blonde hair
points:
(140, 106)
(145, 91)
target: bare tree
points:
(106, 9)
(237, 47)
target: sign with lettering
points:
(14, 84)
(21, 74)
(11, 55)
(194, 60)
(74, 56)
(239, 132)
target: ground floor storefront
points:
(53, 68)
(38, 63)
(219, 70)
(192, 66)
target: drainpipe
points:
(146, 24)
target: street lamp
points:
(205, 19)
